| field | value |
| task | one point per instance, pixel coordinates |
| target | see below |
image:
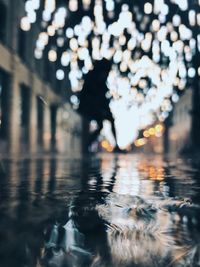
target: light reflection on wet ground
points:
(110, 210)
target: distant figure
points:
(94, 104)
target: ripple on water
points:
(113, 211)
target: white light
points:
(52, 55)
(46, 15)
(192, 43)
(123, 66)
(156, 25)
(192, 17)
(165, 47)
(125, 19)
(126, 56)
(86, 4)
(185, 33)
(178, 46)
(198, 19)
(77, 30)
(87, 24)
(170, 27)
(157, 6)
(73, 44)
(51, 30)
(132, 43)
(43, 36)
(182, 71)
(59, 17)
(183, 5)
(29, 6)
(50, 6)
(40, 44)
(174, 36)
(69, 33)
(118, 56)
(188, 56)
(60, 75)
(38, 54)
(164, 10)
(82, 41)
(199, 71)
(175, 98)
(110, 5)
(148, 8)
(31, 17)
(162, 18)
(83, 53)
(176, 20)
(36, 4)
(145, 45)
(60, 41)
(73, 5)
(74, 100)
(25, 24)
(65, 59)
(162, 33)
(122, 40)
(191, 72)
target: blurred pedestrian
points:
(94, 103)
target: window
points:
(3, 23)
(40, 119)
(4, 104)
(25, 106)
(53, 124)
(22, 38)
(25, 114)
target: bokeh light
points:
(152, 45)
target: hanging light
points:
(52, 55)
(25, 24)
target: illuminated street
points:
(99, 133)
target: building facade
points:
(32, 102)
(180, 129)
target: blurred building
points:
(175, 135)
(181, 124)
(32, 111)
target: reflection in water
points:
(65, 246)
(112, 211)
(142, 232)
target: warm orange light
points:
(152, 131)
(159, 128)
(106, 145)
(152, 172)
(146, 134)
(140, 142)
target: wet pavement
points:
(103, 211)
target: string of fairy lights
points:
(152, 45)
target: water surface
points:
(108, 210)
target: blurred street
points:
(99, 133)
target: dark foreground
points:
(108, 211)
